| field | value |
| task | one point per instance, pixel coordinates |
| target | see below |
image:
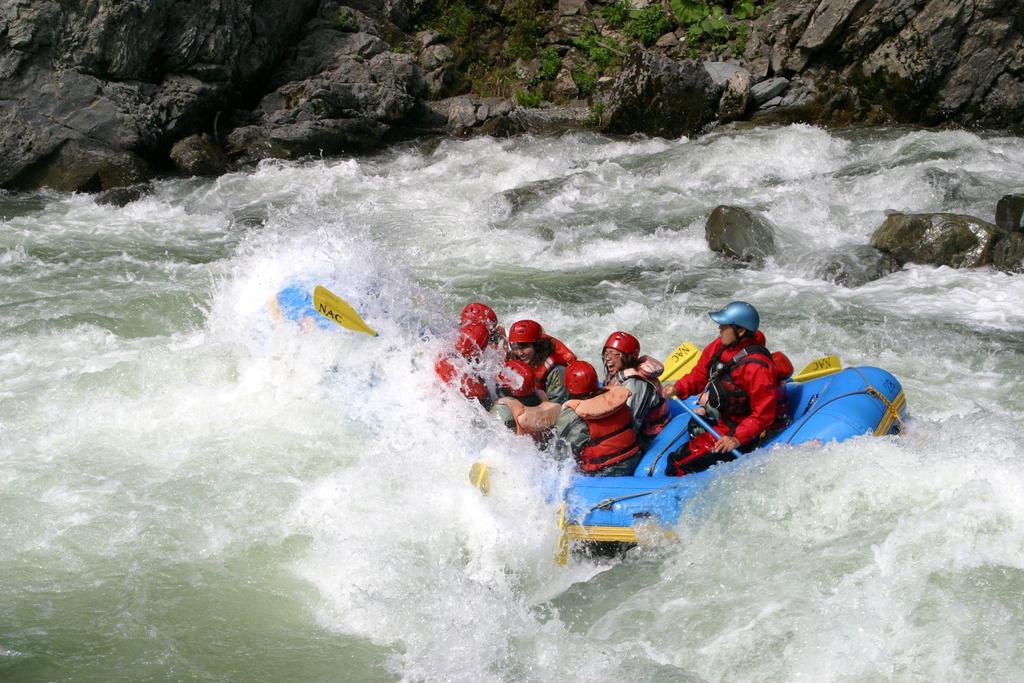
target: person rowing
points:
(740, 387)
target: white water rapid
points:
(191, 490)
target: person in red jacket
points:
(545, 354)
(598, 424)
(737, 379)
(460, 369)
(476, 312)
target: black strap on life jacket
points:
(723, 373)
(716, 368)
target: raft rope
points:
(666, 449)
(890, 406)
(607, 503)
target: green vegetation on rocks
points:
(518, 49)
(647, 25)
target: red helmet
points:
(477, 312)
(580, 378)
(624, 342)
(472, 339)
(525, 332)
(517, 377)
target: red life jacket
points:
(560, 355)
(610, 422)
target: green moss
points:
(647, 25)
(616, 13)
(525, 98)
(524, 28)
(494, 82)
(457, 22)
(594, 117)
(603, 52)
(345, 21)
(585, 80)
(551, 64)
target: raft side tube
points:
(852, 402)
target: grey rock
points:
(942, 239)
(1008, 253)
(762, 92)
(721, 72)
(437, 81)
(468, 115)
(526, 69)
(304, 138)
(428, 38)
(801, 92)
(571, 8)
(528, 196)
(564, 87)
(856, 266)
(324, 113)
(326, 49)
(667, 40)
(123, 196)
(956, 187)
(735, 98)
(740, 234)
(918, 61)
(827, 23)
(461, 114)
(86, 166)
(435, 57)
(199, 155)
(107, 83)
(547, 119)
(659, 96)
(1009, 210)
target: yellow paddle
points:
(480, 477)
(330, 305)
(680, 362)
(819, 368)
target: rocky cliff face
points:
(918, 61)
(97, 93)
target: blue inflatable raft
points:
(848, 403)
(295, 303)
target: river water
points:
(192, 489)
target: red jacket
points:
(759, 381)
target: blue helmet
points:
(738, 313)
